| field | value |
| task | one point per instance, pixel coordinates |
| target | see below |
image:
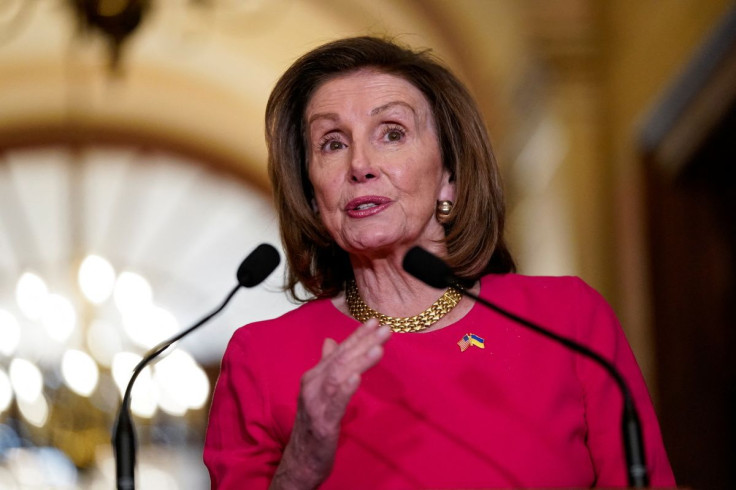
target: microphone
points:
(434, 272)
(252, 271)
(257, 266)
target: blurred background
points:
(133, 182)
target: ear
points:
(447, 189)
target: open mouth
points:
(366, 205)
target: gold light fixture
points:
(115, 20)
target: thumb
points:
(328, 347)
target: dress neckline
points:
(448, 330)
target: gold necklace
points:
(362, 312)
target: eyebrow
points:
(322, 115)
(389, 105)
(334, 117)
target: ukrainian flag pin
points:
(470, 339)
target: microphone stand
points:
(124, 442)
(630, 423)
(433, 271)
(252, 271)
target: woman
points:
(374, 149)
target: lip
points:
(380, 204)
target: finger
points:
(328, 347)
(361, 332)
(334, 375)
(340, 361)
(342, 391)
(370, 359)
(336, 405)
(357, 349)
(334, 381)
(367, 335)
(362, 339)
(338, 373)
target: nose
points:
(362, 168)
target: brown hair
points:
(474, 230)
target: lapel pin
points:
(470, 339)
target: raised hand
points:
(325, 392)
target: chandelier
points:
(91, 292)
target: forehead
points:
(365, 90)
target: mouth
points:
(366, 205)
(365, 202)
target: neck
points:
(387, 288)
(415, 323)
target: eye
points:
(331, 143)
(393, 133)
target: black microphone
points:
(434, 272)
(252, 271)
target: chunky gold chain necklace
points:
(362, 312)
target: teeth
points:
(366, 206)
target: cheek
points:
(326, 190)
(421, 176)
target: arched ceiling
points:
(196, 74)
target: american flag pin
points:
(470, 339)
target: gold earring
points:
(443, 210)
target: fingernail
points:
(384, 331)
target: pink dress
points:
(522, 411)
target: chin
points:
(373, 243)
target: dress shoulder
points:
(538, 284)
(306, 313)
(538, 294)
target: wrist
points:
(297, 473)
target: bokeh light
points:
(41, 467)
(152, 477)
(79, 371)
(6, 391)
(103, 341)
(150, 326)
(26, 379)
(96, 278)
(9, 333)
(182, 383)
(59, 317)
(144, 396)
(36, 412)
(31, 294)
(132, 293)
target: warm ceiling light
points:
(9, 333)
(103, 341)
(122, 368)
(132, 293)
(36, 412)
(150, 326)
(143, 398)
(59, 317)
(79, 371)
(26, 379)
(182, 383)
(6, 391)
(96, 278)
(31, 294)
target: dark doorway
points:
(690, 168)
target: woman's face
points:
(375, 164)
